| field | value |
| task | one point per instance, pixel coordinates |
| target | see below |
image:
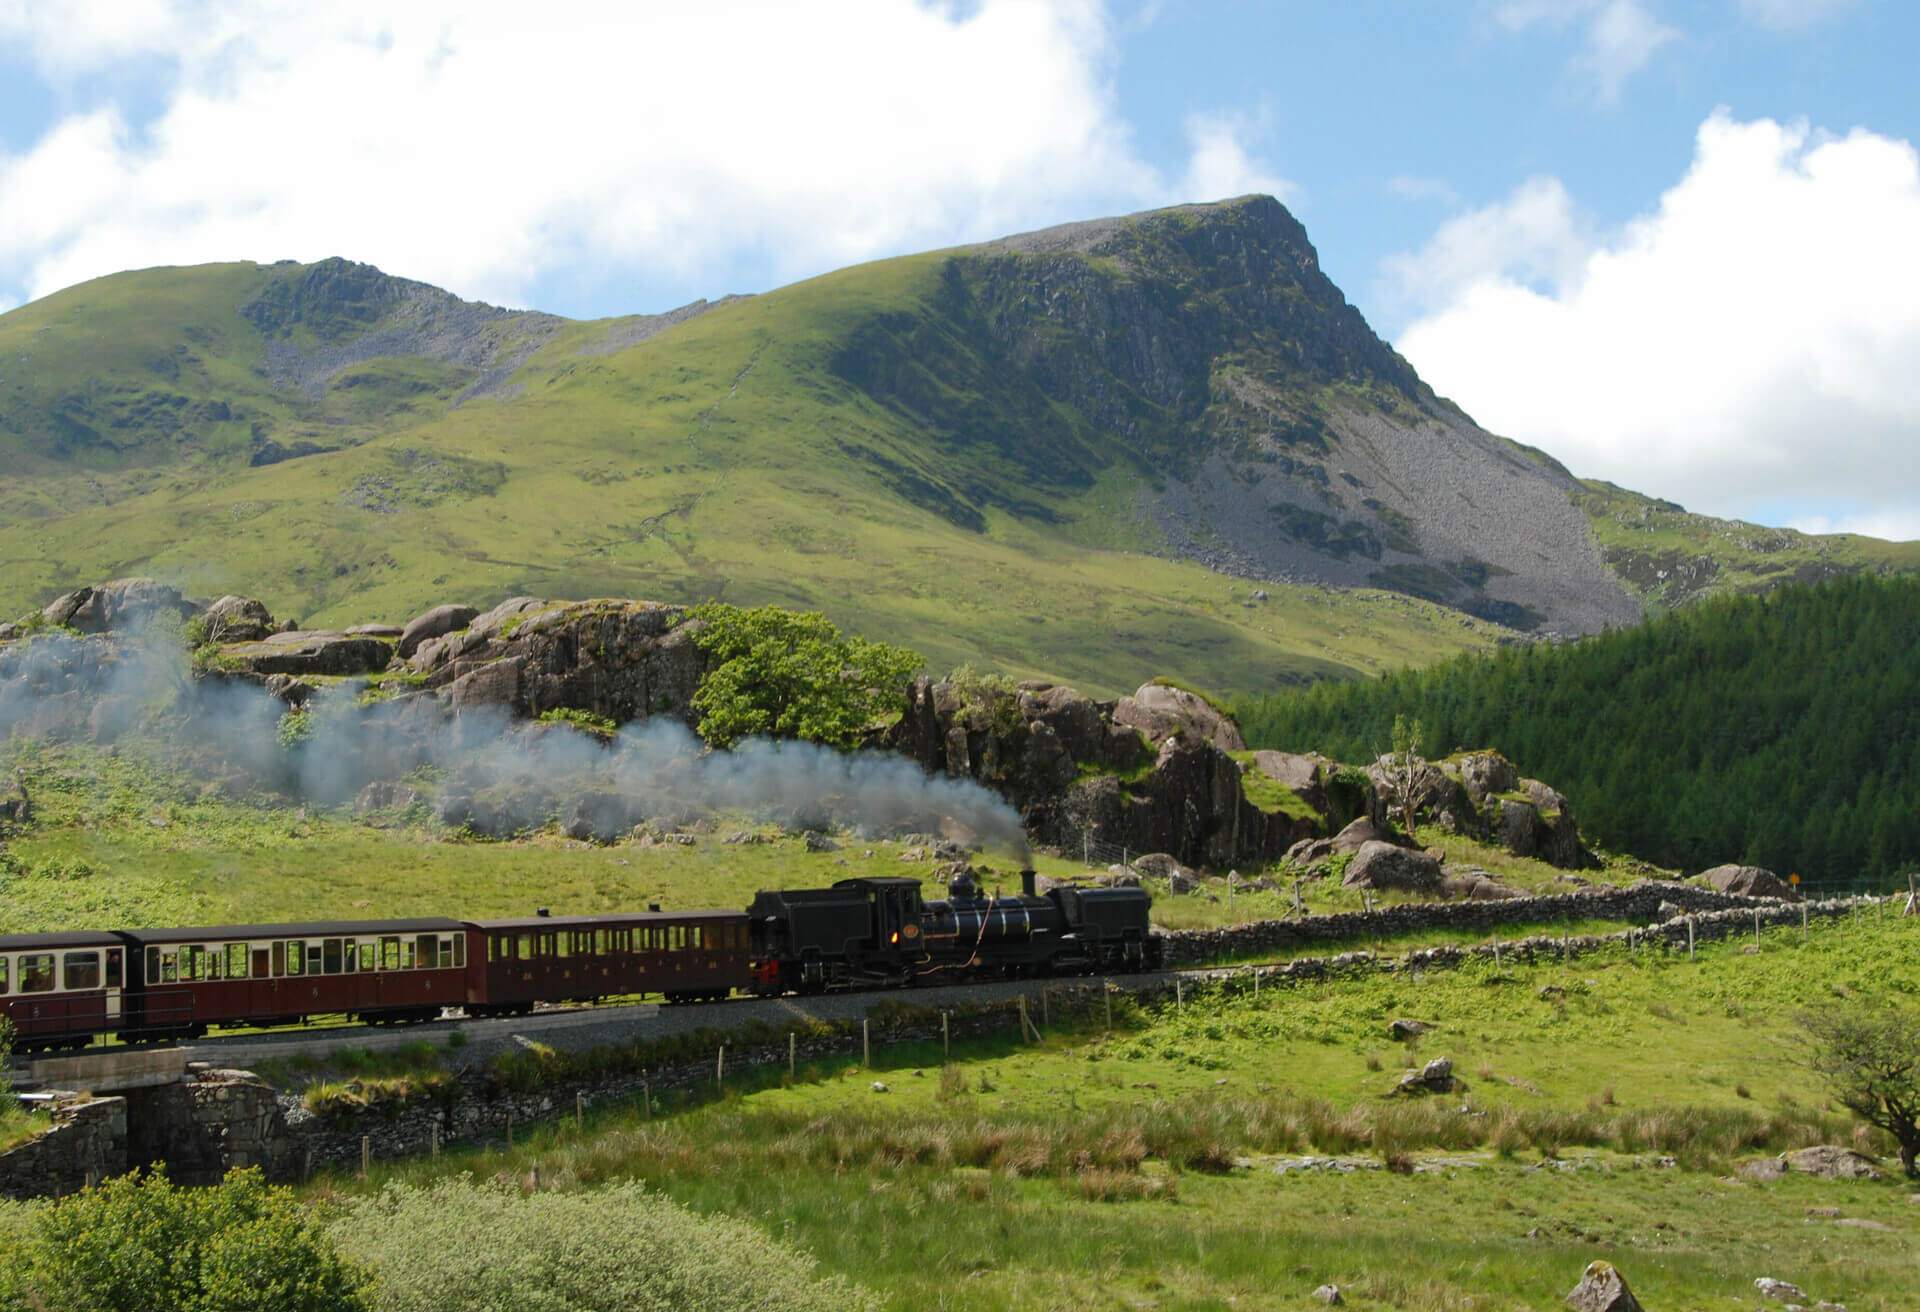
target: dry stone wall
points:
(86, 1143)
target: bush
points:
(137, 1243)
(459, 1246)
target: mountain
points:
(1084, 453)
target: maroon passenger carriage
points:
(56, 987)
(232, 975)
(685, 955)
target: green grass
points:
(1137, 1168)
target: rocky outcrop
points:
(238, 619)
(1748, 881)
(16, 808)
(84, 1143)
(322, 652)
(1160, 711)
(1828, 1162)
(620, 660)
(436, 623)
(118, 605)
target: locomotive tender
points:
(62, 990)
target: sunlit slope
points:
(741, 454)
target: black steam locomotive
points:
(878, 933)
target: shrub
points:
(138, 1243)
(782, 673)
(459, 1245)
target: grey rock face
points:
(1602, 1289)
(121, 604)
(1161, 713)
(238, 619)
(319, 652)
(436, 623)
(1384, 866)
(1830, 1162)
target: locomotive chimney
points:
(543, 912)
(1028, 883)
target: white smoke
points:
(486, 770)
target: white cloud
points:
(1619, 37)
(1790, 15)
(1535, 236)
(482, 144)
(1408, 187)
(1749, 341)
(1219, 165)
(1893, 525)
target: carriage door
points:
(115, 981)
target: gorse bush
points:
(459, 1246)
(137, 1244)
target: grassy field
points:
(1141, 1168)
(120, 842)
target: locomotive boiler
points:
(862, 933)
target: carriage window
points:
(314, 959)
(561, 944)
(296, 956)
(459, 951)
(170, 967)
(427, 952)
(330, 956)
(389, 954)
(526, 947)
(211, 958)
(36, 973)
(82, 970)
(262, 967)
(192, 962)
(5, 962)
(236, 961)
(115, 978)
(406, 954)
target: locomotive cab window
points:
(82, 970)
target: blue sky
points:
(1669, 241)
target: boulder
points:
(1358, 834)
(819, 842)
(1779, 1291)
(1401, 1030)
(1384, 866)
(16, 808)
(238, 619)
(309, 653)
(121, 604)
(1297, 773)
(436, 623)
(1435, 1077)
(495, 684)
(1748, 881)
(1162, 712)
(1482, 775)
(1602, 1289)
(390, 632)
(384, 795)
(1829, 1162)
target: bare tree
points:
(1870, 1059)
(1404, 767)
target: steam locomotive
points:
(63, 990)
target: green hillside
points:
(1083, 453)
(1781, 730)
(857, 443)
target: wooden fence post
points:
(866, 1046)
(720, 1068)
(1689, 938)
(433, 1147)
(1803, 920)
(793, 1054)
(1179, 994)
(1046, 1009)
(1106, 995)
(646, 1097)
(366, 1155)
(946, 1039)
(579, 1110)
(1756, 927)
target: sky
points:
(1675, 243)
